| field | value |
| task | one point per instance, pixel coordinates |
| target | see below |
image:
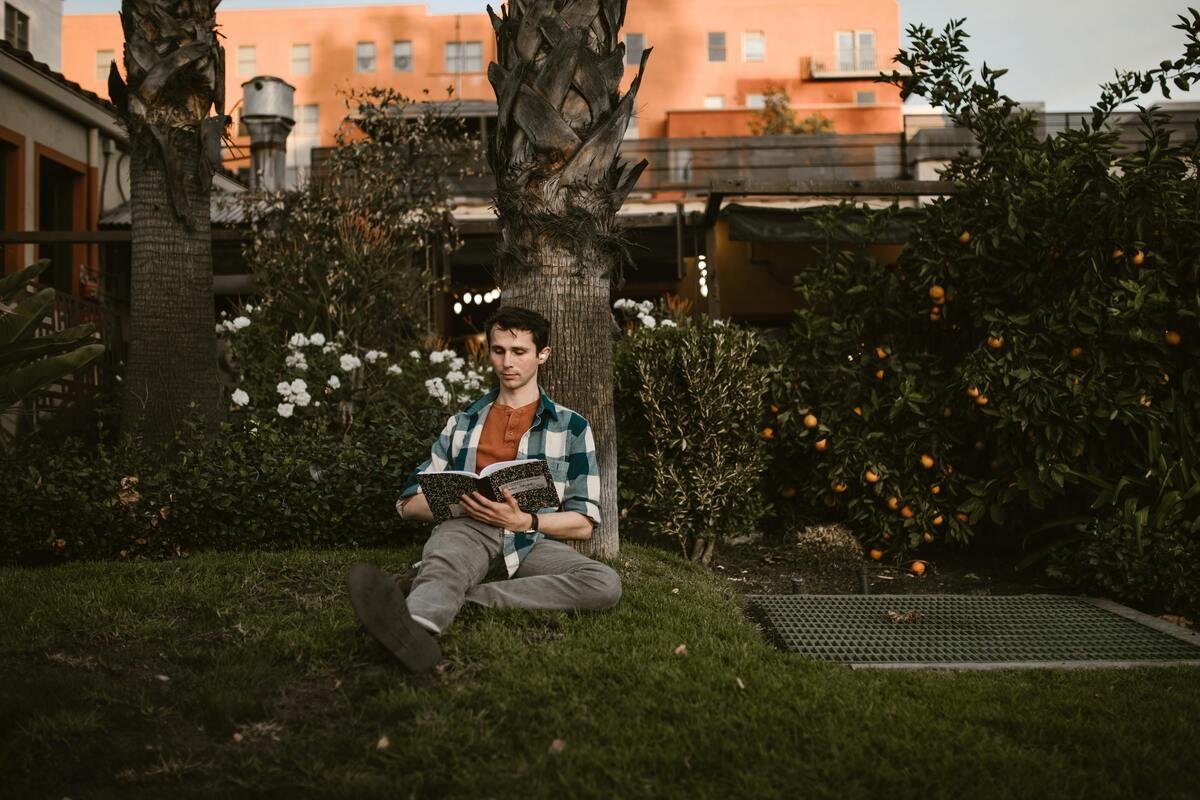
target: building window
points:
(716, 46)
(301, 59)
(247, 61)
(855, 51)
(714, 101)
(364, 57)
(864, 98)
(16, 27)
(754, 47)
(680, 165)
(756, 101)
(464, 56)
(308, 122)
(402, 59)
(103, 59)
(635, 43)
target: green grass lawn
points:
(247, 675)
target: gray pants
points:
(461, 552)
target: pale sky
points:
(1057, 52)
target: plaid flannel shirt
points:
(559, 435)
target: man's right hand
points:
(416, 508)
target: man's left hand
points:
(507, 515)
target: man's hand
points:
(507, 515)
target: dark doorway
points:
(56, 212)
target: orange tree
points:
(1028, 365)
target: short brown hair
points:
(508, 318)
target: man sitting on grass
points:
(405, 612)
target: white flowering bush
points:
(282, 376)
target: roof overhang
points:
(42, 86)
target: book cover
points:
(528, 480)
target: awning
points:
(800, 225)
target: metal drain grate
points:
(969, 631)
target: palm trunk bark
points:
(559, 184)
(176, 74)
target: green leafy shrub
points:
(1036, 341)
(691, 457)
(277, 487)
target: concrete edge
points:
(988, 666)
(1160, 625)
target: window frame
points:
(360, 68)
(746, 38)
(306, 60)
(395, 44)
(102, 67)
(458, 64)
(20, 27)
(632, 60)
(724, 47)
(241, 50)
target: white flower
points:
(241, 322)
(374, 355)
(296, 361)
(645, 306)
(454, 376)
(240, 398)
(648, 321)
(228, 325)
(334, 381)
(298, 340)
(249, 309)
(220, 328)
(437, 357)
(415, 355)
(457, 363)
(348, 362)
(718, 322)
(297, 386)
(332, 347)
(317, 339)
(394, 369)
(302, 399)
(284, 388)
(285, 409)
(341, 334)
(668, 323)
(437, 389)
(317, 404)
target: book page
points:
(499, 465)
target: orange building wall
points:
(678, 78)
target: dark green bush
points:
(691, 455)
(271, 488)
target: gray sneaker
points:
(380, 606)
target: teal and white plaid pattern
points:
(559, 435)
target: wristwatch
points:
(533, 524)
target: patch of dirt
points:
(781, 567)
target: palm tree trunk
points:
(559, 184)
(176, 73)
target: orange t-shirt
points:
(502, 432)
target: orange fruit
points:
(935, 317)
(980, 444)
(1117, 252)
(820, 445)
(880, 352)
(982, 400)
(935, 489)
(893, 503)
(946, 412)
(774, 408)
(768, 433)
(1172, 338)
(789, 491)
(876, 554)
(872, 477)
(960, 516)
(937, 292)
(973, 391)
(907, 512)
(858, 410)
(937, 304)
(879, 374)
(939, 519)
(927, 461)
(887, 537)
(1076, 351)
(810, 421)
(965, 237)
(838, 486)
(1138, 258)
(995, 342)
(949, 469)
(918, 568)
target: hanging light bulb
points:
(458, 308)
(704, 291)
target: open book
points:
(527, 479)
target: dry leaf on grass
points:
(383, 744)
(681, 650)
(556, 747)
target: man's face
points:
(515, 357)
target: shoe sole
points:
(381, 608)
